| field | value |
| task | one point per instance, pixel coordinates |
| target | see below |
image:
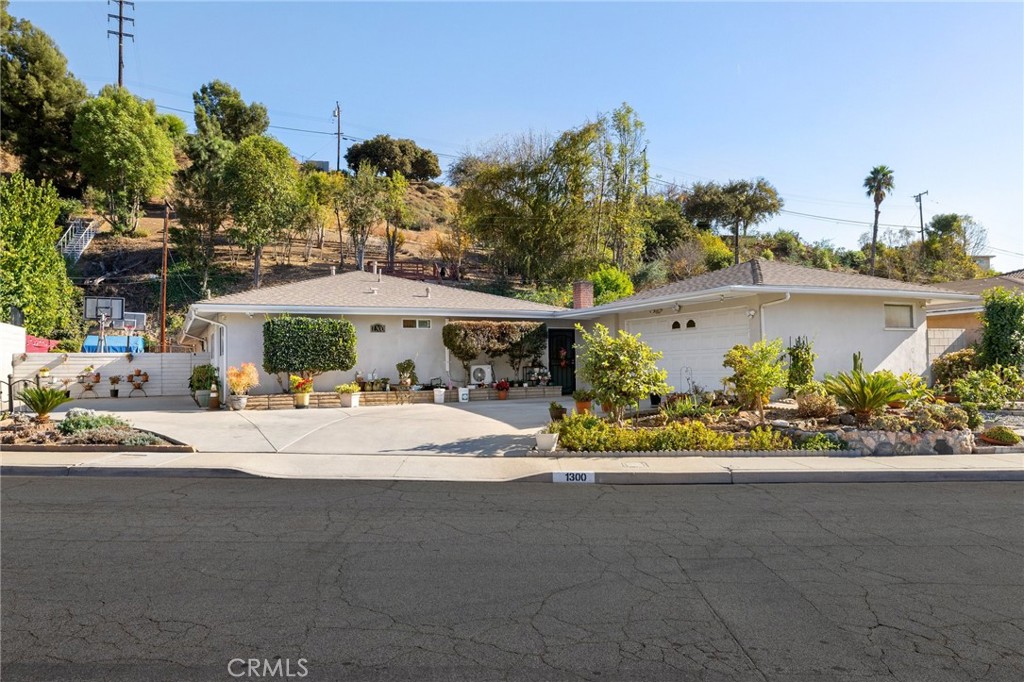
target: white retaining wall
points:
(12, 342)
(168, 372)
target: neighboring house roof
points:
(1009, 280)
(365, 292)
(767, 276)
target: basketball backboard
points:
(98, 306)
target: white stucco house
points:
(692, 322)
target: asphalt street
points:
(189, 579)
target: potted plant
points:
(999, 435)
(301, 388)
(203, 376)
(556, 411)
(44, 372)
(114, 381)
(145, 377)
(348, 393)
(240, 381)
(584, 398)
(543, 376)
(547, 440)
(138, 371)
(502, 388)
(66, 383)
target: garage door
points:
(694, 344)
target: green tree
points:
(220, 111)
(32, 272)
(396, 215)
(735, 206)
(622, 370)
(124, 153)
(363, 205)
(961, 227)
(389, 156)
(40, 99)
(201, 203)
(757, 371)
(879, 184)
(623, 177)
(1002, 338)
(261, 180)
(610, 284)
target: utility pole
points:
(920, 212)
(121, 35)
(337, 115)
(163, 282)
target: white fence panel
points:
(168, 372)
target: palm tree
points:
(878, 184)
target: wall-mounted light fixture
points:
(751, 312)
(678, 307)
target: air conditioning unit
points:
(481, 374)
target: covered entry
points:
(694, 344)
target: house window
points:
(690, 324)
(899, 316)
(676, 325)
(415, 324)
(377, 328)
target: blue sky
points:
(810, 96)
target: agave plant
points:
(43, 401)
(865, 394)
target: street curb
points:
(125, 472)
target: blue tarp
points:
(113, 344)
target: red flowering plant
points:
(501, 385)
(301, 384)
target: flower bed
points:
(81, 430)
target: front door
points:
(562, 359)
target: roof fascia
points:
(229, 308)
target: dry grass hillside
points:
(129, 266)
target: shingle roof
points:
(770, 273)
(1010, 280)
(356, 290)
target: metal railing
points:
(77, 237)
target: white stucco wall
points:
(374, 350)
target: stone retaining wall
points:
(903, 443)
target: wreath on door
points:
(563, 357)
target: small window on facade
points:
(676, 325)
(423, 324)
(415, 324)
(408, 324)
(690, 324)
(377, 328)
(899, 317)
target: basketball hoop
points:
(128, 325)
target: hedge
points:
(308, 345)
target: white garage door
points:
(694, 344)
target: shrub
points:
(821, 441)
(916, 388)
(203, 376)
(407, 370)
(974, 418)
(308, 345)
(864, 394)
(764, 438)
(136, 438)
(801, 364)
(42, 400)
(984, 387)
(610, 284)
(951, 366)
(582, 395)
(112, 435)
(812, 401)
(1002, 434)
(1002, 337)
(757, 371)
(74, 422)
(889, 422)
(243, 379)
(678, 406)
(622, 369)
(585, 432)
(352, 387)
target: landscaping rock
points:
(847, 419)
(780, 423)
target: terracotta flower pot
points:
(502, 395)
(583, 407)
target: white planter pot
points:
(439, 395)
(546, 442)
(463, 395)
(349, 399)
(237, 402)
(301, 400)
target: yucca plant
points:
(43, 401)
(864, 394)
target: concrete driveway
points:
(482, 429)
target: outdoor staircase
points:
(77, 237)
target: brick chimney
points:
(582, 294)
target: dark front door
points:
(562, 358)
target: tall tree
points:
(624, 160)
(32, 273)
(261, 179)
(396, 215)
(389, 156)
(201, 202)
(879, 183)
(221, 111)
(124, 153)
(735, 206)
(40, 99)
(961, 227)
(363, 206)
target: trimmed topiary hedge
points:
(308, 345)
